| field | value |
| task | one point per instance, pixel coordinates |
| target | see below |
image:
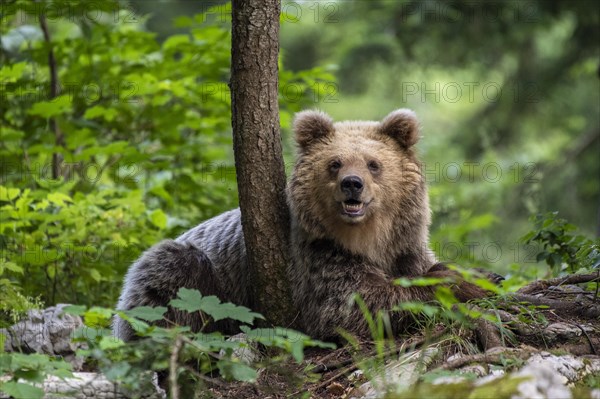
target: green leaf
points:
(189, 300)
(29, 375)
(298, 351)
(27, 361)
(139, 326)
(175, 40)
(48, 109)
(147, 313)
(228, 310)
(554, 259)
(13, 267)
(183, 22)
(59, 199)
(78, 310)
(108, 114)
(417, 307)
(19, 390)
(445, 296)
(237, 371)
(527, 237)
(11, 73)
(159, 219)
(95, 275)
(487, 285)
(98, 317)
(62, 373)
(192, 301)
(110, 343)
(8, 194)
(117, 371)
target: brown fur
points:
(335, 255)
(398, 216)
(337, 250)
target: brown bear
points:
(360, 218)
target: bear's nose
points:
(352, 185)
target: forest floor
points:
(541, 341)
(546, 317)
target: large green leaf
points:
(20, 390)
(237, 371)
(147, 313)
(192, 301)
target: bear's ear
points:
(310, 126)
(402, 125)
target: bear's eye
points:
(373, 166)
(334, 166)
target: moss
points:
(589, 381)
(582, 392)
(559, 352)
(459, 390)
(501, 388)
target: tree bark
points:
(258, 154)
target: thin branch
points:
(323, 366)
(173, 365)
(195, 345)
(207, 379)
(562, 307)
(54, 92)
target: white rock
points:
(543, 382)
(398, 375)
(246, 353)
(93, 385)
(48, 331)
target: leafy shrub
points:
(14, 304)
(136, 147)
(25, 369)
(561, 250)
(205, 353)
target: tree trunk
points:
(258, 154)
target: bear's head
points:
(360, 183)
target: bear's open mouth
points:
(353, 208)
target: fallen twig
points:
(205, 378)
(571, 279)
(563, 307)
(328, 381)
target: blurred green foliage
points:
(142, 134)
(508, 96)
(128, 364)
(562, 250)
